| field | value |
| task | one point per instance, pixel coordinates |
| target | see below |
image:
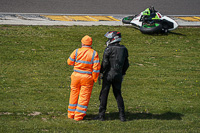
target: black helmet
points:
(113, 37)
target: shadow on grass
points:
(158, 34)
(174, 33)
(165, 34)
(139, 116)
(164, 116)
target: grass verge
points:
(161, 89)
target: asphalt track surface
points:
(93, 12)
(167, 7)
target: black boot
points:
(101, 115)
(122, 114)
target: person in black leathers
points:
(113, 68)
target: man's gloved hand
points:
(100, 77)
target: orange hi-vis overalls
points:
(86, 71)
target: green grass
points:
(161, 89)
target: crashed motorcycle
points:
(151, 21)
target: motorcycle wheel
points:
(151, 29)
(127, 20)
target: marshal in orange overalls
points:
(86, 71)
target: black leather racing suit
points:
(114, 65)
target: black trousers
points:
(116, 85)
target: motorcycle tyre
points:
(127, 20)
(151, 30)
